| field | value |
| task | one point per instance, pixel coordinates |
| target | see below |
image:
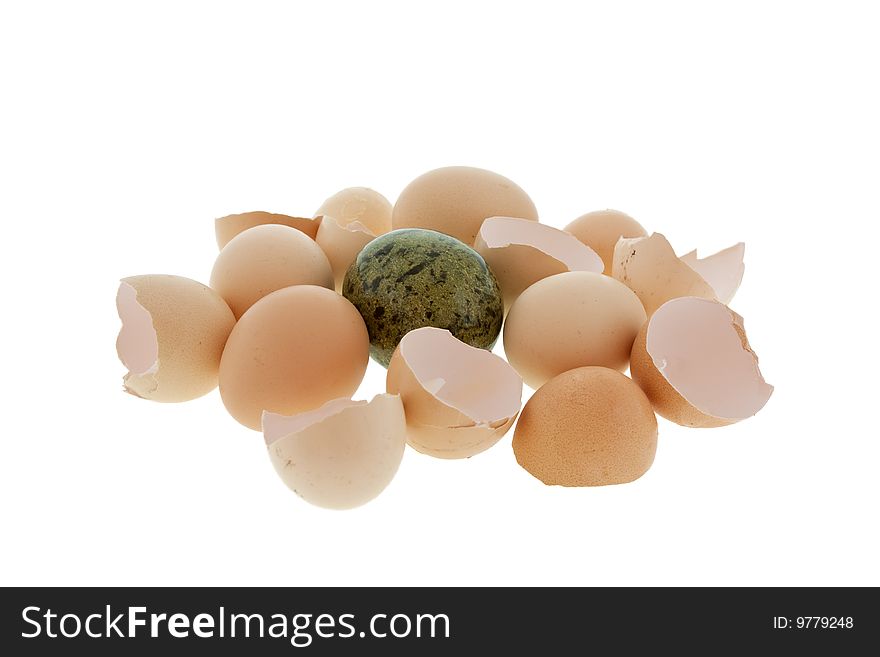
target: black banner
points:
(113, 621)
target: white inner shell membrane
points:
(276, 426)
(354, 225)
(499, 232)
(723, 271)
(696, 346)
(473, 381)
(137, 344)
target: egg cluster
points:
(296, 306)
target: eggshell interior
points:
(225, 228)
(137, 344)
(520, 252)
(723, 271)
(459, 399)
(700, 348)
(649, 267)
(340, 455)
(456, 200)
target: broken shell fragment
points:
(225, 228)
(650, 268)
(342, 244)
(340, 455)
(601, 229)
(173, 333)
(695, 364)
(459, 400)
(723, 271)
(521, 252)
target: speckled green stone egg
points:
(410, 278)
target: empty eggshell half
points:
(340, 455)
(650, 268)
(521, 252)
(459, 400)
(589, 426)
(172, 337)
(694, 362)
(601, 229)
(723, 271)
(225, 228)
(266, 258)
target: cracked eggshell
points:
(341, 455)
(694, 362)
(342, 245)
(459, 400)
(521, 252)
(650, 268)
(359, 204)
(571, 320)
(723, 271)
(601, 229)
(225, 228)
(456, 201)
(352, 219)
(264, 259)
(173, 333)
(590, 426)
(293, 350)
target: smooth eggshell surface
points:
(225, 228)
(361, 204)
(590, 426)
(264, 259)
(601, 229)
(293, 350)
(456, 201)
(571, 320)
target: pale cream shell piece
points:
(723, 271)
(456, 200)
(361, 205)
(459, 400)
(341, 455)
(225, 228)
(650, 268)
(601, 229)
(693, 360)
(521, 252)
(173, 333)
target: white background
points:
(126, 128)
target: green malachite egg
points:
(410, 278)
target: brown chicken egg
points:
(340, 455)
(456, 201)
(571, 320)
(231, 225)
(459, 400)
(591, 426)
(293, 350)
(172, 336)
(601, 229)
(264, 259)
(693, 360)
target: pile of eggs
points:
(296, 307)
